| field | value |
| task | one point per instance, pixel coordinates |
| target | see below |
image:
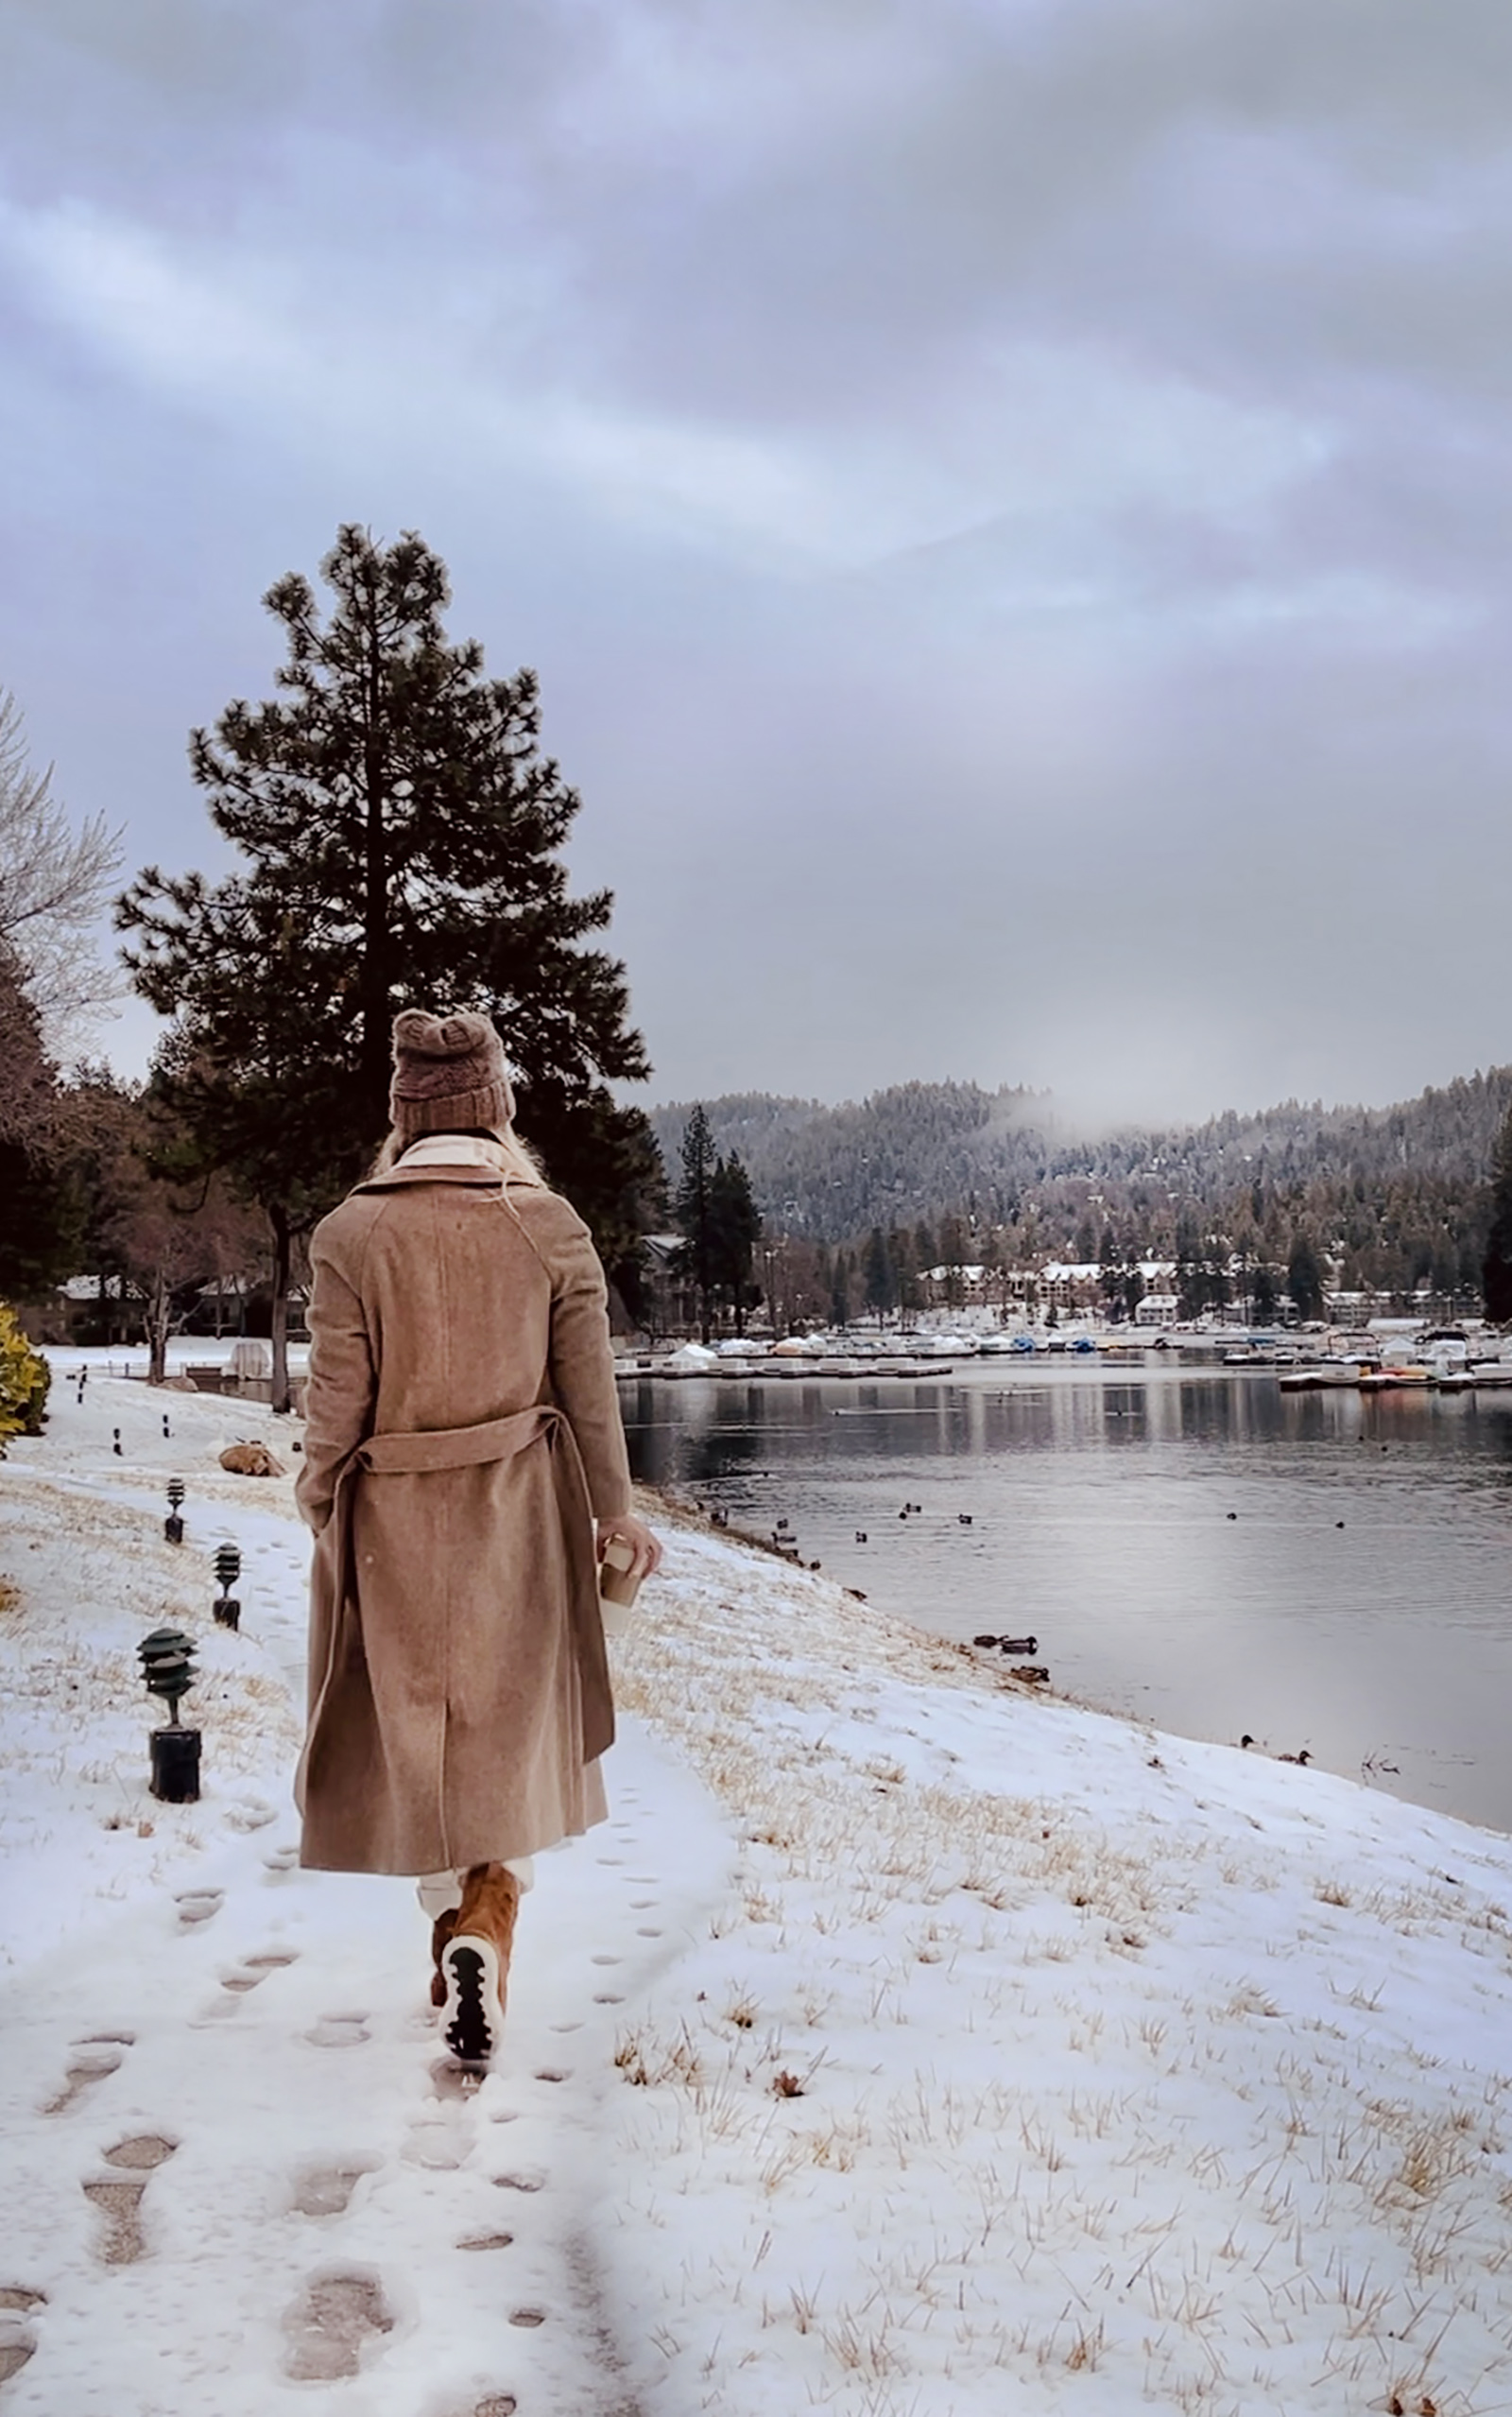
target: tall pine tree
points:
(693, 1207)
(736, 1230)
(877, 1274)
(1496, 1271)
(400, 831)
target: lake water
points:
(1324, 1570)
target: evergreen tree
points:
(1113, 1275)
(1496, 1268)
(953, 1249)
(1304, 1278)
(400, 831)
(735, 1227)
(841, 1279)
(694, 1210)
(905, 1271)
(877, 1274)
(37, 1235)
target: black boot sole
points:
(474, 2016)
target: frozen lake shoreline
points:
(1189, 1546)
(905, 2040)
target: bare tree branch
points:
(55, 883)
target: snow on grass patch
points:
(1034, 2047)
(85, 1574)
(995, 2050)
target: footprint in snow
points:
(529, 2180)
(90, 2061)
(199, 1905)
(487, 2240)
(252, 1815)
(328, 2327)
(438, 2142)
(120, 2203)
(18, 2338)
(282, 1860)
(450, 2080)
(339, 2031)
(326, 2190)
(498, 2404)
(253, 1970)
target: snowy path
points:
(254, 2164)
(236, 2159)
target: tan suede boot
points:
(441, 1929)
(474, 1963)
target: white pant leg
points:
(439, 1891)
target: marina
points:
(1456, 1361)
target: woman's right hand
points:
(641, 1541)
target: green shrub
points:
(25, 1376)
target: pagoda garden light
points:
(167, 1431)
(173, 1525)
(228, 1569)
(167, 1670)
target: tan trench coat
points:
(462, 1434)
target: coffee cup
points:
(617, 1585)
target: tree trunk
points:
(279, 1319)
(157, 1319)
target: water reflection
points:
(1323, 1569)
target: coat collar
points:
(399, 1179)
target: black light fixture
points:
(173, 1525)
(167, 1670)
(228, 1569)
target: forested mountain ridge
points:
(1395, 1193)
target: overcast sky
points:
(1008, 499)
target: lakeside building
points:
(1157, 1309)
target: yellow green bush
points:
(24, 1380)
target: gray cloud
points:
(1011, 503)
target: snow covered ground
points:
(907, 2045)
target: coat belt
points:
(455, 1447)
(467, 1447)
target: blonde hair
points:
(520, 1165)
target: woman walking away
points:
(464, 1468)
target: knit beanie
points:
(448, 1074)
